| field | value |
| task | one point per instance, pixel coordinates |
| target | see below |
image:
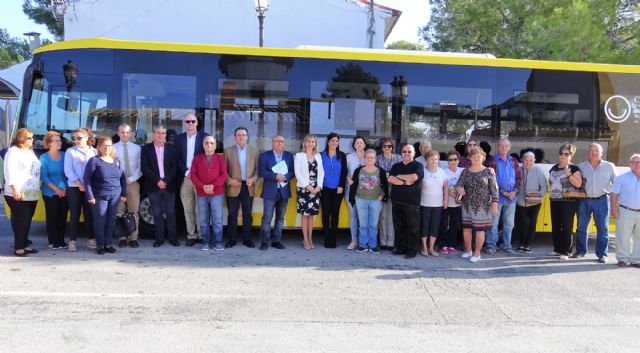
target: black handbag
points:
(125, 224)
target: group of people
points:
(397, 203)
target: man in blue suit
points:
(276, 191)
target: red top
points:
(203, 173)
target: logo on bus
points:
(618, 108)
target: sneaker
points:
(552, 253)
(375, 250)
(361, 249)
(526, 250)
(520, 248)
(444, 250)
(72, 245)
(91, 244)
(453, 251)
(352, 245)
(466, 255)
(577, 255)
(58, 246)
(203, 248)
(490, 251)
(508, 251)
(602, 259)
(110, 249)
(219, 247)
(51, 246)
(475, 259)
(564, 257)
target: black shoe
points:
(230, 244)
(122, 243)
(249, 244)
(110, 249)
(29, 242)
(410, 254)
(264, 246)
(278, 245)
(374, 250)
(134, 244)
(100, 251)
(31, 251)
(174, 242)
(190, 242)
(399, 252)
(158, 243)
(526, 249)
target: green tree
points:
(12, 50)
(573, 30)
(405, 45)
(40, 12)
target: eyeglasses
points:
(566, 154)
(210, 143)
(105, 146)
(453, 159)
(407, 151)
(387, 146)
(189, 121)
(77, 138)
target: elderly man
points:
(599, 175)
(276, 191)
(189, 144)
(406, 178)
(129, 155)
(425, 147)
(625, 206)
(509, 178)
(242, 167)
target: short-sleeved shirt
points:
(560, 183)
(452, 179)
(627, 186)
(432, 192)
(407, 194)
(369, 185)
(600, 179)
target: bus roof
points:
(385, 56)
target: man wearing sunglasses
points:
(189, 144)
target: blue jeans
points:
(368, 215)
(600, 210)
(104, 218)
(210, 212)
(507, 212)
(279, 205)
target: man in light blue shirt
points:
(625, 207)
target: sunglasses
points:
(566, 154)
(77, 138)
(387, 146)
(453, 159)
(189, 121)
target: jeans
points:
(600, 210)
(163, 203)
(506, 212)
(210, 212)
(368, 215)
(21, 215)
(104, 218)
(527, 219)
(406, 223)
(279, 205)
(56, 210)
(330, 201)
(77, 201)
(234, 203)
(562, 213)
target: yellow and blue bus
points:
(409, 96)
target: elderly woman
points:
(21, 188)
(433, 200)
(386, 160)
(354, 161)
(564, 177)
(479, 191)
(106, 186)
(530, 196)
(310, 177)
(208, 174)
(367, 192)
(53, 190)
(75, 161)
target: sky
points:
(415, 14)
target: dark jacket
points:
(149, 166)
(181, 150)
(353, 189)
(270, 185)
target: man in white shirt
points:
(625, 206)
(128, 153)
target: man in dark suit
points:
(276, 191)
(189, 144)
(158, 164)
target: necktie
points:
(127, 166)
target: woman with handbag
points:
(106, 186)
(530, 196)
(565, 178)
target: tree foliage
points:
(572, 30)
(405, 45)
(12, 50)
(40, 12)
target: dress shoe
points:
(158, 243)
(31, 251)
(399, 252)
(190, 242)
(29, 242)
(249, 244)
(110, 249)
(20, 254)
(100, 251)
(264, 246)
(410, 254)
(174, 242)
(134, 244)
(122, 243)
(278, 245)
(230, 244)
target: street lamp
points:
(261, 7)
(399, 91)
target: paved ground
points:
(244, 300)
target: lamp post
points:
(261, 8)
(399, 91)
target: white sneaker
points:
(91, 244)
(466, 255)
(352, 245)
(72, 245)
(474, 259)
(204, 248)
(564, 257)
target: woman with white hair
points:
(530, 196)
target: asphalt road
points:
(244, 300)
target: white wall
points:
(288, 23)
